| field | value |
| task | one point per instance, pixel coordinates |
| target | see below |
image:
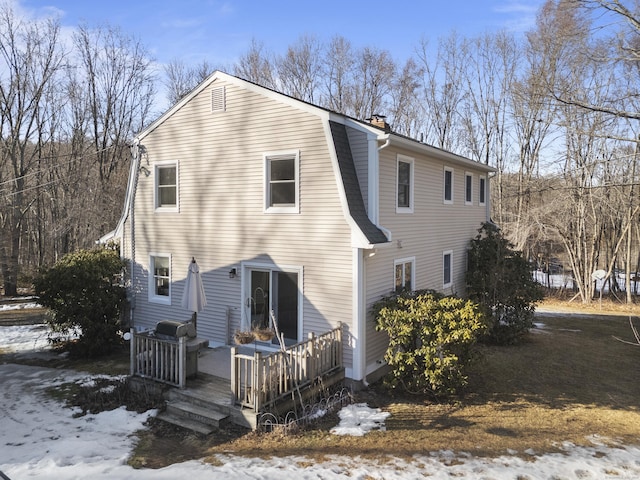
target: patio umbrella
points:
(194, 298)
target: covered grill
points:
(173, 330)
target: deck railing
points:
(260, 380)
(161, 360)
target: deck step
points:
(206, 416)
(185, 422)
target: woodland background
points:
(556, 111)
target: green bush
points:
(500, 279)
(430, 340)
(84, 297)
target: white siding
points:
(222, 221)
(433, 228)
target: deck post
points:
(132, 352)
(182, 362)
(234, 375)
(256, 389)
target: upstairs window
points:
(166, 182)
(404, 176)
(282, 183)
(468, 189)
(482, 191)
(448, 185)
(160, 278)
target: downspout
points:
(135, 173)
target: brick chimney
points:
(379, 121)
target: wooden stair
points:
(205, 405)
(193, 417)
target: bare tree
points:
(30, 59)
(443, 91)
(181, 79)
(256, 65)
(375, 71)
(338, 75)
(299, 69)
(406, 110)
(119, 92)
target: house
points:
(291, 208)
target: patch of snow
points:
(358, 419)
(41, 439)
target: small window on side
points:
(160, 278)
(448, 185)
(404, 274)
(482, 191)
(468, 189)
(166, 187)
(447, 268)
(404, 184)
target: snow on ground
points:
(41, 439)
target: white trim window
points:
(482, 191)
(160, 278)
(404, 184)
(447, 268)
(282, 182)
(468, 188)
(166, 186)
(448, 185)
(404, 274)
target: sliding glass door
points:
(272, 290)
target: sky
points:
(219, 31)
(41, 438)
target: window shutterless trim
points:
(404, 262)
(156, 187)
(405, 208)
(468, 188)
(153, 296)
(293, 207)
(482, 190)
(446, 284)
(448, 199)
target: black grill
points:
(172, 330)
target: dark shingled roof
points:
(351, 185)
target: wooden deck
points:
(258, 382)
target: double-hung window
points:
(404, 202)
(468, 188)
(160, 278)
(404, 274)
(448, 185)
(166, 186)
(447, 268)
(482, 191)
(282, 178)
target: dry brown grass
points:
(569, 381)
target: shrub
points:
(500, 279)
(83, 296)
(430, 340)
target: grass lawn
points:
(569, 381)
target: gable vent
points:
(218, 99)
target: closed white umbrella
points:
(194, 298)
